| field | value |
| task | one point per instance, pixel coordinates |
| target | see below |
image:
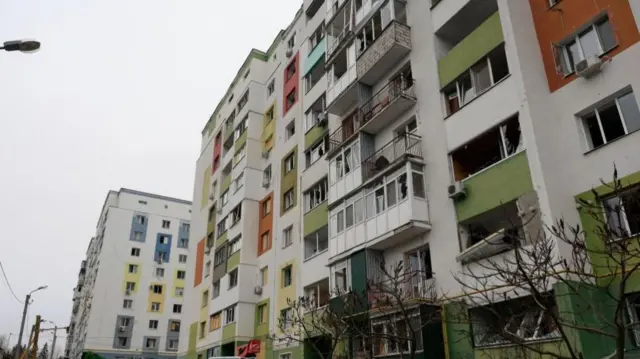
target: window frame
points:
(310, 200)
(288, 199)
(567, 62)
(233, 278)
(287, 236)
(596, 111)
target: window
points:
(234, 245)
(266, 174)
(122, 341)
(155, 306)
(182, 258)
(623, 213)
(214, 321)
(612, 120)
(270, 114)
(291, 99)
(553, 2)
(183, 243)
(173, 344)
(266, 207)
(339, 277)
(291, 70)
(316, 37)
(317, 293)
(185, 227)
(153, 324)
(156, 288)
(236, 214)
(224, 198)
(160, 272)
(127, 304)
(220, 256)
(233, 278)
(265, 243)
(166, 224)
(595, 40)
(131, 286)
(137, 236)
(179, 292)
(287, 276)
(479, 78)
(202, 329)
(150, 343)
(522, 318)
(346, 160)
(207, 269)
(133, 268)
(288, 199)
(317, 242)
(285, 356)
(163, 239)
(180, 274)
(316, 195)
(244, 99)
(177, 308)
(286, 318)
(239, 182)
(205, 299)
(389, 332)
(317, 151)
(483, 151)
(271, 88)
(292, 41)
(135, 252)
(262, 314)
(216, 289)
(125, 321)
(222, 226)
(287, 238)
(240, 153)
(289, 163)
(418, 265)
(140, 219)
(162, 256)
(290, 130)
(230, 315)
(264, 276)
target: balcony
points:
(387, 104)
(341, 90)
(344, 133)
(365, 9)
(404, 146)
(333, 7)
(389, 48)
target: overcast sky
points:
(116, 97)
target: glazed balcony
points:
(387, 104)
(402, 147)
(379, 57)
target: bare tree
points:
(514, 296)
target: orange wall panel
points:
(557, 23)
(266, 224)
(197, 278)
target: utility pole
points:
(53, 345)
(36, 333)
(24, 316)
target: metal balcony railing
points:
(343, 133)
(397, 87)
(406, 144)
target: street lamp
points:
(26, 46)
(26, 302)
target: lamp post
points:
(25, 46)
(24, 315)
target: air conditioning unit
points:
(127, 292)
(588, 67)
(211, 197)
(457, 190)
(289, 52)
(321, 121)
(265, 154)
(122, 328)
(257, 290)
(266, 182)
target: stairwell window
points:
(205, 299)
(290, 130)
(271, 88)
(475, 81)
(288, 199)
(291, 99)
(316, 195)
(230, 315)
(156, 288)
(131, 286)
(233, 278)
(611, 120)
(127, 304)
(179, 292)
(166, 224)
(180, 274)
(182, 258)
(236, 214)
(135, 252)
(216, 289)
(491, 147)
(287, 276)
(595, 40)
(155, 306)
(287, 237)
(177, 308)
(160, 272)
(133, 268)
(289, 163)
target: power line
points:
(9, 285)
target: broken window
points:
(611, 120)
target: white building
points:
(130, 293)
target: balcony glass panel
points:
(407, 144)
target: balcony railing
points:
(334, 42)
(396, 88)
(343, 133)
(406, 144)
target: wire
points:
(9, 285)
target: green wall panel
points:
(221, 239)
(211, 225)
(316, 218)
(314, 56)
(471, 49)
(241, 140)
(228, 332)
(499, 184)
(359, 278)
(206, 184)
(289, 180)
(233, 261)
(193, 339)
(313, 135)
(457, 331)
(226, 182)
(262, 329)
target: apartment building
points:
(403, 130)
(129, 298)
